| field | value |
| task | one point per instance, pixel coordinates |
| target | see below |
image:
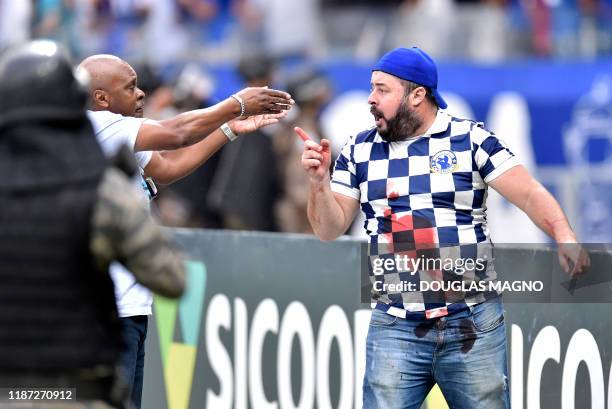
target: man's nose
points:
(371, 99)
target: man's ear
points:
(417, 96)
(101, 98)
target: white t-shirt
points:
(113, 131)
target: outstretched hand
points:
(263, 100)
(253, 123)
(316, 158)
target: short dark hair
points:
(410, 86)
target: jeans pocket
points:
(382, 319)
(487, 316)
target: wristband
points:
(241, 102)
(227, 131)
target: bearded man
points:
(421, 178)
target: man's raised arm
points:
(330, 214)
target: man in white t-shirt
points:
(166, 151)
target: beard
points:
(401, 126)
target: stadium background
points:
(537, 72)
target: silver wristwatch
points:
(225, 128)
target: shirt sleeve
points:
(129, 128)
(143, 158)
(114, 130)
(492, 155)
(344, 178)
(124, 231)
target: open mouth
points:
(378, 118)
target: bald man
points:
(166, 151)
(114, 90)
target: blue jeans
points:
(132, 358)
(465, 354)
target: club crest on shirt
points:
(443, 162)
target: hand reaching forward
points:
(253, 123)
(262, 100)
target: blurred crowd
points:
(163, 31)
(256, 182)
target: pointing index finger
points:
(300, 132)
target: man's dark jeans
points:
(132, 359)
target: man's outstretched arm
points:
(168, 166)
(191, 127)
(330, 214)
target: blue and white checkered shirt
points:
(425, 197)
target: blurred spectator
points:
(93, 22)
(126, 31)
(15, 20)
(177, 30)
(577, 25)
(311, 91)
(480, 29)
(184, 203)
(356, 29)
(412, 23)
(351, 3)
(540, 16)
(285, 29)
(55, 20)
(570, 28)
(198, 10)
(148, 79)
(197, 15)
(245, 186)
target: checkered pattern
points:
(426, 198)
